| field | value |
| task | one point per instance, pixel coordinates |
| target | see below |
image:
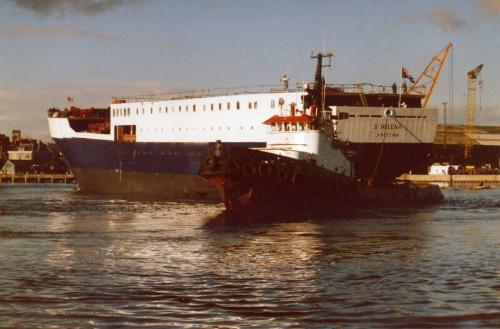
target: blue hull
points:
(165, 170)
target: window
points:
(204, 107)
(194, 108)
(255, 105)
(250, 105)
(142, 110)
(211, 107)
(187, 108)
(238, 105)
(137, 111)
(128, 111)
(166, 109)
(151, 111)
(220, 106)
(272, 104)
(228, 105)
(113, 112)
(159, 110)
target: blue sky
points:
(93, 50)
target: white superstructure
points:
(231, 118)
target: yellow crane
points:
(472, 76)
(425, 83)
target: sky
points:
(93, 50)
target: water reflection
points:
(68, 259)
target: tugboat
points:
(300, 168)
(308, 162)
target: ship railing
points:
(210, 92)
(362, 87)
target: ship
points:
(155, 145)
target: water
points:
(74, 261)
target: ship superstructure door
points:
(125, 133)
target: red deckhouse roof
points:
(289, 119)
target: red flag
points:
(405, 74)
(70, 99)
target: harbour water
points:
(69, 260)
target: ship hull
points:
(381, 163)
(142, 184)
(253, 181)
(161, 170)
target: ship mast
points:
(318, 91)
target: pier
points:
(37, 178)
(451, 179)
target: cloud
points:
(54, 32)
(489, 7)
(446, 19)
(85, 7)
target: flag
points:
(405, 74)
(70, 99)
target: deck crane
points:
(472, 76)
(425, 83)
